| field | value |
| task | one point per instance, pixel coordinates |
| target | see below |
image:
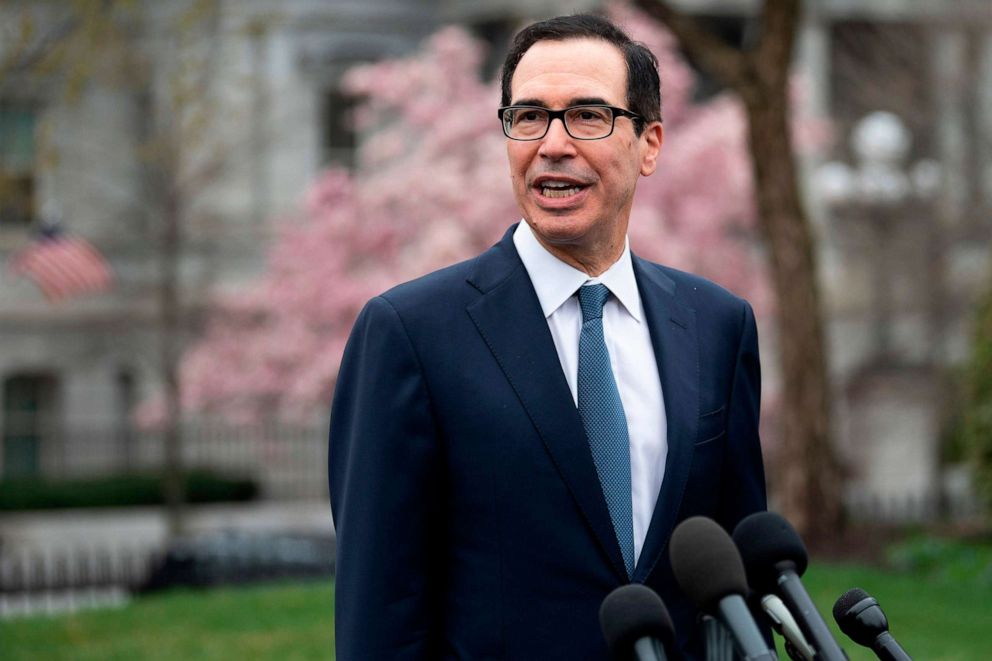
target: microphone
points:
(861, 618)
(775, 557)
(786, 626)
(708, 568)
(636, 623)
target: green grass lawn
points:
(936, 618)
(933, 618)
(284, 622)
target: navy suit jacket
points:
(469, 517)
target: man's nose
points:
(557, 143)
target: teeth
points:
(560, 192)
(558, 189)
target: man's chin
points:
(560, 229)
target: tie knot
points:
(592, 298)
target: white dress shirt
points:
(631, 356)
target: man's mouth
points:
(558, 189)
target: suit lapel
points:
(673, 333)
(509, 318)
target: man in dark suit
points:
(515, 436)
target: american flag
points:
(63, 265)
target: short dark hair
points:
(643, 84)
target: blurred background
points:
(197, 197)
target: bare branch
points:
(730, 65)
(28, 53)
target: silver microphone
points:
(786, 625)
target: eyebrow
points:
(577, 101)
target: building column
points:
(949, 52)
(983, 97)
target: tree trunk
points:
(174, 485)
(165, 203)
(807, 475)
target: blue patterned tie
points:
(603, 417)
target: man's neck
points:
(593, 262)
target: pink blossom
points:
(432, 188)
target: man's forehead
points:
(570, 69)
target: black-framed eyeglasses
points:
(586, 122)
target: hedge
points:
(119, 491)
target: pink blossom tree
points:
(431, 187)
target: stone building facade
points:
(904, 252)
(70, 373)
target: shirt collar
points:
(555, 281)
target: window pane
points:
(17, 148)
(17, 164)
(29, 412)
(16, 200)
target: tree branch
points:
(778, 36)
(731, 65)
(28, 54)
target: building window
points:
(340, 140)
(29, 419)
(17, 166)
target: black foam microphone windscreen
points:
(708, 568)
(860, 617)
(766, 540)
(706, 563)
(630, 613)
(775, 557)
(849, 625)
(848, 599)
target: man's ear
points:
(651, 139)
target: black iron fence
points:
(908, 509)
